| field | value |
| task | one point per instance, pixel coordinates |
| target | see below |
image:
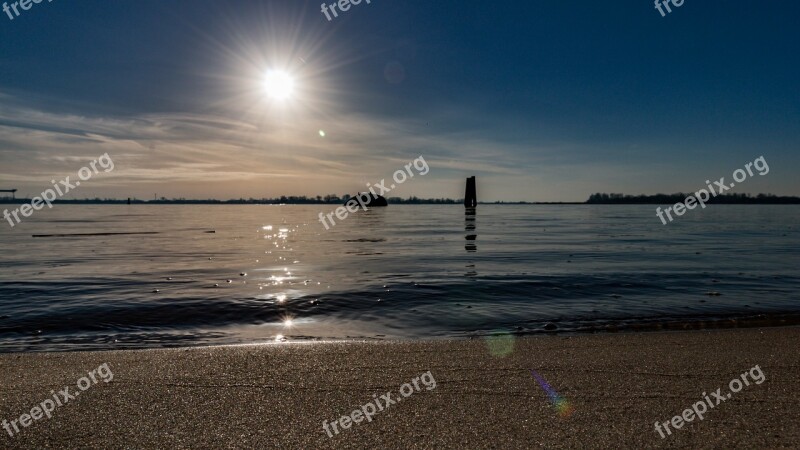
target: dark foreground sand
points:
(278, 395)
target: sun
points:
(279, 84)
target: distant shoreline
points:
(594, 199)
(235, 202)
(258, 202)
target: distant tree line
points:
(665, 199)
(594, 199)
(282, 200)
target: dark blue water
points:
(274, 273)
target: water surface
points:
(270, 273)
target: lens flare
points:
(561, 404)
(500, 344)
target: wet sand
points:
(616, 387)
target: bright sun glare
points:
(279, 85)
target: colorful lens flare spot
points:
(500, 344)
(561, 404)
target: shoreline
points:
(616, 386)
(596, 328)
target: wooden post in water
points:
(471, 196)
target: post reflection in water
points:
(470, 215)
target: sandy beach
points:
(265, 396)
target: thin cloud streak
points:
(194, 147)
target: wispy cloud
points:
(172, 149)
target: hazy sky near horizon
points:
(542, 100)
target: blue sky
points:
(542, 100)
